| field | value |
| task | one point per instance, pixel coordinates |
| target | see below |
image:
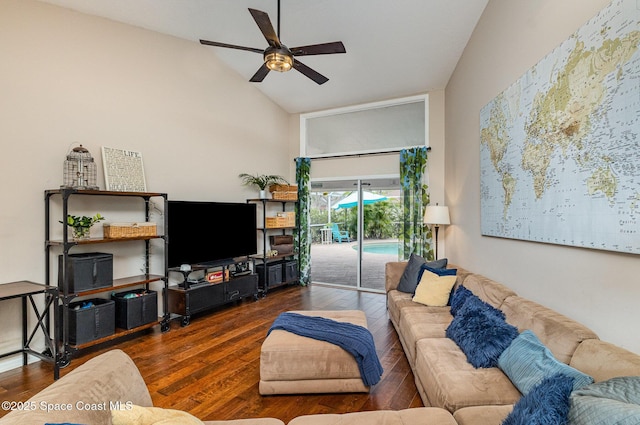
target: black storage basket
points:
(135, 308)
(90, 320)
(87, 271)
(274, 274)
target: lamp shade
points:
(436, 214)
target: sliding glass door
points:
(355, 228)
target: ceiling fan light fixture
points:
(279, 60)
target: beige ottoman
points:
(294, 364)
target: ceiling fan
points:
(277, 56)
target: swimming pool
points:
(388, 248)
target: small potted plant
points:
(262, 181)
(81, 225)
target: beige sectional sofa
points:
(444, 377)
(87, 394)
(455, 392)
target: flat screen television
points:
(210, 232)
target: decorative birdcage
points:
(80, 170)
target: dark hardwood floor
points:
(211, 367)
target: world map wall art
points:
(560, 147)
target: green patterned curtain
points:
(416, 236)
(302, 235)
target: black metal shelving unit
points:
(66, 244)
(265, 261)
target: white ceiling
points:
(395, 48)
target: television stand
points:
(189, 297)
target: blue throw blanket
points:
(355, 339)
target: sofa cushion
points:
(615, 401)
(417, 323)
(414, 416)
(139, 415)
(547, 403)
(481, 333)
(111, 376)
(527, 362)
(396, 301)
(603, 360)
(482, 415)
(488, 290)
(557, 332)
(450, 382)
(434, 288)
(409, 279)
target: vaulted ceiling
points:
(394, 48)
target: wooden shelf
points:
(121, 283)
(103, 240)
(103, 192)
(292, 201)
(273, 257)
(118, 334)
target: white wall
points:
(70, 78)
(598, 288)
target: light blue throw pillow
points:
(527, 362)
(616, 401)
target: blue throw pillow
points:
(458, 298)
(480, 333)
(546, 404)
(409, 279)
(438, 271)
(616, 401)
(527, 362)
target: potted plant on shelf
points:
(81, 225)
(262, 181)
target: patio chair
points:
(339, 235)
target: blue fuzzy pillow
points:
(458, 298)
(546, 404)
(481, 333)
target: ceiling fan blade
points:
(260, 74)
(315, 76)
(319, 49)
(230, 46)
(264, 23)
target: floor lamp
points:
(436, 216)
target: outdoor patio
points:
(336, 264)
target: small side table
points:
(326, 235)
(26, 290)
